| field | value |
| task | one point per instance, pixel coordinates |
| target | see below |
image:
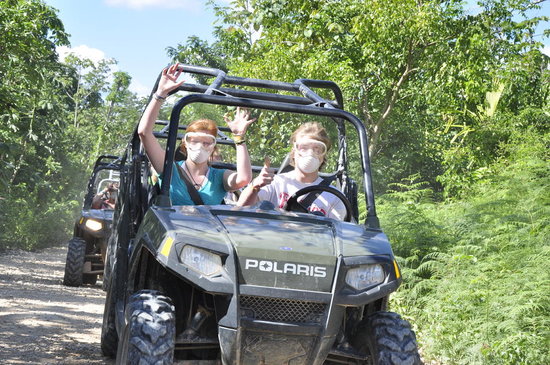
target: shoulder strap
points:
(193, 193)
(310, 198)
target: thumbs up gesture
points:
(266, 175)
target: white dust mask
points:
(308, 163)
(308, 151)
(199, 151)
(198, 155)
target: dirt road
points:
(42, 321)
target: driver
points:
(106, 199)
(310, 144)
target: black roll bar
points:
(309, 103)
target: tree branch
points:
(392, 96)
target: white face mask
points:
(307, 164)
(199, 151)
(199, 155)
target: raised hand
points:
(169, 80)
(240, 123)
(266, 175)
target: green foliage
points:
(481, 296)
(53, 123)
(402, 211)
(469, 160)
(198, 52)
(415, 72)
(27, 48)
(37, 219)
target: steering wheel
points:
(294, 205)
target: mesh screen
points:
(282, 310)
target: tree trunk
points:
(391, 98)
(21, 158)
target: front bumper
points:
(265, 325)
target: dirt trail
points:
(42, 321)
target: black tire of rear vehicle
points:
(109, 335)
(388, 338)
(150, 333)
(74, 265)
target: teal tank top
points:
(211, 192)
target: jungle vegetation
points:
(457, 109)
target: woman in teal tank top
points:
(198, 146)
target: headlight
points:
(93, 225)
(202, 261)
(365, 276)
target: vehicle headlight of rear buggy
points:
(365, 276)
(93, 225)
(205, 262)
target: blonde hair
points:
(313, 130)
(202, 125)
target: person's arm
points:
(249, 195)
(234, 180)
(167, 83)
(243, 175)
(96, 201)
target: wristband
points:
(157, 97)
(238, 139)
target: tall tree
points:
(27, 63)
(415, 72)
(52, 124)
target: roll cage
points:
(103, 162)
(305, 101)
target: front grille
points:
(281, 310)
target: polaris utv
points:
(253, 285)
(87, 249)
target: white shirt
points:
(285, 185)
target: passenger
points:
(310, 145)
(198, 145)
(106, 199)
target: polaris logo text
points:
(286, 268)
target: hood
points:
(104, 215)
(275, 248)
(285, 253)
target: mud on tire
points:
(74, 265)
(388, 338)
(149, 336)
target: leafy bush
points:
(29, 225)
(478, 292)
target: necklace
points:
(195, 184)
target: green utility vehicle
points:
(253, 285)
(87, 248)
